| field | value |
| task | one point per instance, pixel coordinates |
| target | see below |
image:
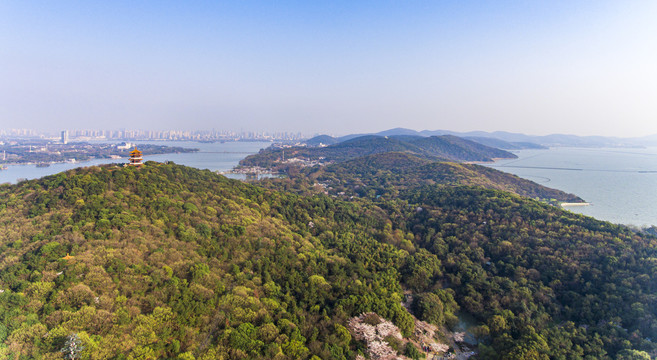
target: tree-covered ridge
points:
(444, 147)
(322, 140)
(545, 272)
(386, 174)
(401, 171)
(172, 262)
(505, 145)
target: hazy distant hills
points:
(324, 140)
(506, 140)
(445, 148)
(399, 159)
(506, 145)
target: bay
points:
(212, 156)
(620, 183)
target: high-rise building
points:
(65, 137)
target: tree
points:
(72, 347)
(632, 355)
(412, 352)
(429, 307)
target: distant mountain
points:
(522, 141)
(477, 136)
(365, 145)
(505, 145)
(546, 140)
(398, 131)
(401, 171)
(321, 140)
(459, 149)
(650, 140)
(434, 148)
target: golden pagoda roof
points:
(135, 152)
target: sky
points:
(337, 67)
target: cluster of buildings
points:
(23, 133)
(127, 134)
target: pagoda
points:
(135, 157)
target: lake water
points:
(212, 156)
(620, 184)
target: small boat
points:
(3, 167)
(42, 164)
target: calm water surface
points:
(620, 184)
(211, 156)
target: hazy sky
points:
(538, 67)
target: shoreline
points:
(567, 204)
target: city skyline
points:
(123, 134)
(582, 67)
(142, 134)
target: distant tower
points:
(65, 137)
(135, 157)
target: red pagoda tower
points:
(135, 157)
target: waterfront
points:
(212, 156)
(620, 184)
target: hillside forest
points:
(170, 262)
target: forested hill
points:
(444, 147)
(386, 174)
(166, 261)
(323, 140)
(505, 145)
